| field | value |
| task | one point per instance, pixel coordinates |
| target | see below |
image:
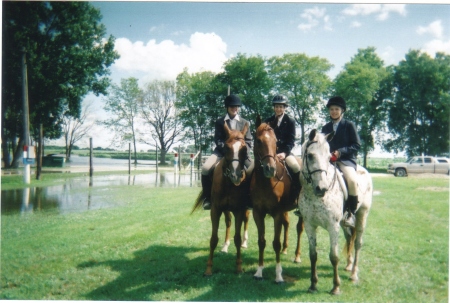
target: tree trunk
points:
(18, 153)
(5, 151)
(163, 156)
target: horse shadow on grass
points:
(169, 273)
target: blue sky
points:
(156, 40)
(159, 39)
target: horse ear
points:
(227, 129)
(258, 121)
(245, 129)
(330, 136)
(312, 134)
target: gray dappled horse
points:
(321, 204)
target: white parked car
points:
(420, 164)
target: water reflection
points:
(72, 196)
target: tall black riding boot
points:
(206, 184)
(350, 207)
(296, 187)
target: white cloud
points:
(314, 16)
(165, 60)
(435, 29)
(356, 24)
(389, 55)
(434, 46)
(382, 10)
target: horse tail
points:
(198, 202)
(348, 247)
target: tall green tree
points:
(68, 56)
(248, 78)
(304, 81)
(157, 109)
(122, 103)
(198, 106)
(364, 85)
(419, 116)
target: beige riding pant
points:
(292, 162)
(351, 177)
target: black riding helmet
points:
(339, 101)
(280, 99)
(232, 100)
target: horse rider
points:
(285, 132)
(235, 122)
(344, 146)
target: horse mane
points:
(264, 127)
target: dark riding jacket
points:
(285, 133)
(345, 140)
(220, 135)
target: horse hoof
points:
(258, 278)
(297, 260)
(312, 290)
(279, 282)
(207, 274)
(354, 279)
(335, 292)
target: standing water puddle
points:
(72, 196)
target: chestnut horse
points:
(229, 194)
(270, 191)
(321, 204)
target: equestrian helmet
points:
(280, 99)
(339, 101)
(232, 100)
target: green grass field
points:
(152, 249)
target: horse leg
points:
(239, 218)
(259, 220)
(300, 228)
(334, 258)
(349, 242)
(360, 226)
(226, 244)
(312, 236)
(279, 221)
(285, 223)
(215, 218)
(246, 219)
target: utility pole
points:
(26, 123)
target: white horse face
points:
(316, 161)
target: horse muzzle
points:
(236, 177)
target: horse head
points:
(235, 152)
(316, 161)
(265, 149)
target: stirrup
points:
(297, 212)
(349, 220)
(206, 204)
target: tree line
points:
(403, 107)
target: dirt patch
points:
(432, 188)
(442, 176)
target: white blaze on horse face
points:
(236, 146)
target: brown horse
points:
(229, 194)
(270, 192)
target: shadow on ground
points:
(171, 273)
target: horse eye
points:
(310, 157)
(258, 141)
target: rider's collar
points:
(227, 117)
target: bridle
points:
(276, 164)
(308, 176)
